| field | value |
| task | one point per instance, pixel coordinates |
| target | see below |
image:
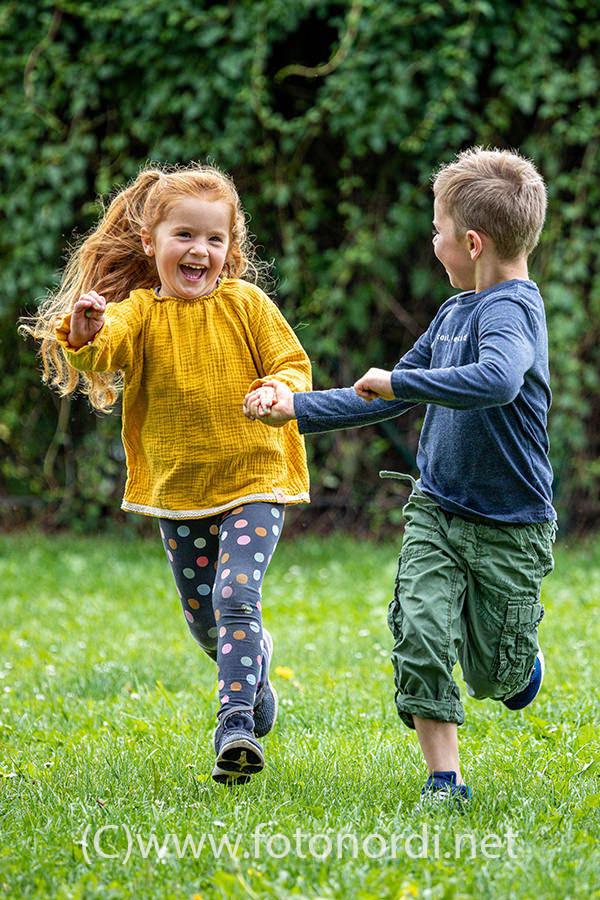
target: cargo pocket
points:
(538, 540)
(394, 616)
(518, 642)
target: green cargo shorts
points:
(465, 591)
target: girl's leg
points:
(192, 546)
(247, 538)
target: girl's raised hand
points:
(87, 318)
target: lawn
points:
(107, 717)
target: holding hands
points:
(271, 403)
(87, 318)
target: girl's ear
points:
(147, 242)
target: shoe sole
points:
(237, 762)
(543, 665)
(230, 779)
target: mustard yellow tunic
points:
(187, 365)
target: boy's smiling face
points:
(190, 246)
(452, 251)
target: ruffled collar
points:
(214, 291)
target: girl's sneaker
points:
(530, 692)
(239, 754)
(266, 702)
(443, 786)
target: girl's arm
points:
(112, 329)
(282, 356)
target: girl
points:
(154, 300)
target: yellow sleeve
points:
(113, 347)
(281, 353)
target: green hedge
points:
(331, 117)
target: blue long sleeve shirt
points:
(482, 369)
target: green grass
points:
(107, 711)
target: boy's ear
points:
(474, 244)
(147, 242)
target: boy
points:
(480, 521)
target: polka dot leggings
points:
(219, 564)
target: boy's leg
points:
(503, 611)
(424, 617)
(439, 743)
(192, 546)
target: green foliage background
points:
(331, 117)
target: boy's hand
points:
(279, 411)
(87, 318)
(375, 383)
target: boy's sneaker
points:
(443, 786)
(530, 692)
(266, 702)
(239, 754)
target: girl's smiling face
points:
(190, 246)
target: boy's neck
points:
(489, 271)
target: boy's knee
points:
(481, 688)
(503, 681)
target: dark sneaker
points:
(530, 692)
(443, 786)
(266, 702)
(239, 754)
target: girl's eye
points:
(184, 234)
(216, 237)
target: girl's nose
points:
(199, 248)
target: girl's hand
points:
(259, 402)
(87, 318)
(265, 397)
(375, 383)
(281, 409)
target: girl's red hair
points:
(112, 262)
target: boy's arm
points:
(318, 411)
(337, 408)
(506, 350)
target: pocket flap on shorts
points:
(523, 613)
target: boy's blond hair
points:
(495, 191)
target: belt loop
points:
(402, 476)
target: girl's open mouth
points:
(192, 273)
